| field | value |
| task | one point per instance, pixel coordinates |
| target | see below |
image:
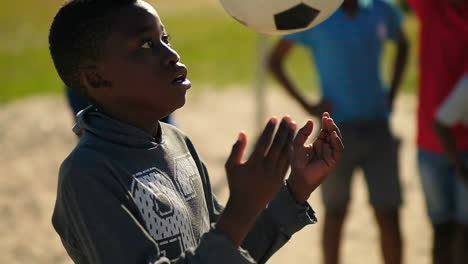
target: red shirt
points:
(443, 60)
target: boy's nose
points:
(172, 56)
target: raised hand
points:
(254, 183)
(311, 164)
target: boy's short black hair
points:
(77, 33)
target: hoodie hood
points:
(92, 120)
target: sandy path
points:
(35, 137)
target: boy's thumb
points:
(238, 149)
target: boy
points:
(443, 61)
(134, 190)
(347, 49)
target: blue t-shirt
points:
(347, 53)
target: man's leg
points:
(390, 235)
(331, 236)
(336, 193)
(438, 181)
(461, 245)
(381, 171)
(461, 233)
(443, 242)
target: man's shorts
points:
(445, 193)
(371, 146)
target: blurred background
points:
(221, 56)
(217, 50)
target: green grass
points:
(25, 66)
(217, 50)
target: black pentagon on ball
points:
(297, 17)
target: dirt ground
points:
(35, 137)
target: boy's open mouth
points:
(180, 76)
(179, 79)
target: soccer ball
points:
(280, 16)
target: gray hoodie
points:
(126, 197)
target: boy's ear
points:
(90, 76)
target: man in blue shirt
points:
(347, 49)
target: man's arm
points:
(444, 133)
(452, 110)
(399, 65)
(446, 138)
(275, 64)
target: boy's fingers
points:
(327, 124)
(303, 134)
(280, 140)
(322, 135)
(337, 145)
(333, 127)
(264, 141)
(318, 146)
(237, 151)
(283, 162)
(328, 155)
(324, 119)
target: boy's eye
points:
(166, 39)
(148, 44)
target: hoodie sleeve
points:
(276, 224)
(96, 223)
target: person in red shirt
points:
(443, 61)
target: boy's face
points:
(142, 72)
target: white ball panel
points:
(259, 14)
